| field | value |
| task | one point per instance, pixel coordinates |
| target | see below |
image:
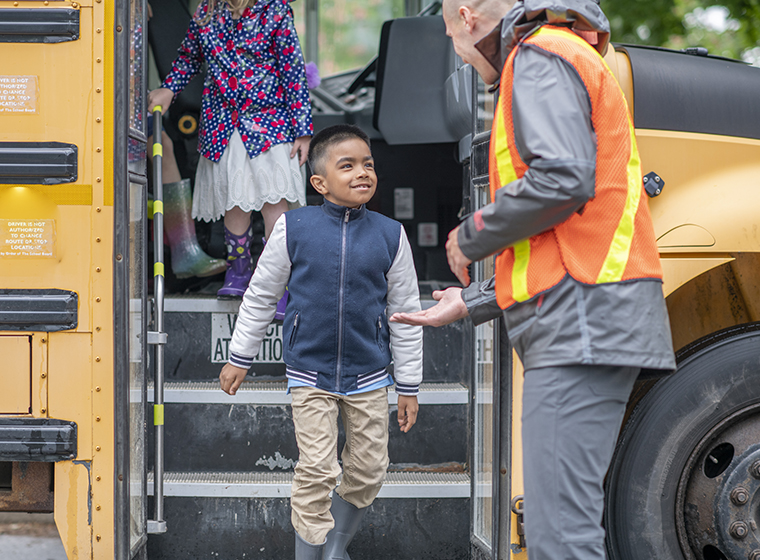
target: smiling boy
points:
(347, 270)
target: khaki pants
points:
(365, 455)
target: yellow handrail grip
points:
(158, 269)
(158, 415)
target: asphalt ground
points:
(26, 536)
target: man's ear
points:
(318, 182)
(467, 17)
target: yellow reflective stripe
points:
(158, 150)
(158, 269)
(507, 172)
(158, 108)
(520, 270)
(158, 415)
(158, 206)
(617, 256)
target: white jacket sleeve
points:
(406, 340)
(260, 299)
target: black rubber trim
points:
(385, 34)
(45, 310)
(37, 163)
(683, 92)
(39, 25)
(37, 439)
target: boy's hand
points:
(407, 412)
(231, 378)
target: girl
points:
(255, 119)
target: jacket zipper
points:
(341, 289)
(295, 328)
(379, 330)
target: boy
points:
(347, 269)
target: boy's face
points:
(349, 174)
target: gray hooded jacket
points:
(623, 324)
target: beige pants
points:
(365, 455)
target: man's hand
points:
(407, 412)
(231, 378)
(458, 263)
(301, 144)
(450, 308)
(162, 97)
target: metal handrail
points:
(158, 337)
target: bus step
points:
(422, 485)
(274, 393)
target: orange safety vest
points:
(612, 240)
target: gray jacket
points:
(623, 323)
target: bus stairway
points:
(229, 459)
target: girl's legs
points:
(187, 257)
(270, 213)
(237, 238)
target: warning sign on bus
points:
(222, 325)
(18, 94)
(27, 238)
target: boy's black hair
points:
(328, 137)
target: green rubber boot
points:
(188, 259)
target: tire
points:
(661, 461)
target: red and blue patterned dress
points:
(255, 81)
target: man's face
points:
(464, 39)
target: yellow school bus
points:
(72, 266)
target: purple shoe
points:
(239, 270)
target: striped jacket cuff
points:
(406, 389)
(237, 360)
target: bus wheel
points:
(685, 479)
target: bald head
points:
(490, 9)
(467, 22)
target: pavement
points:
(26, 536)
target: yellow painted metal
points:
(64, 110)
(620, 66)
(72, 509)
(518, 374)
(712, 191)
(39, 374)
(72, 371)
(678, 269)
(15, 375)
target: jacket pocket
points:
(379, 332)
(296, 320)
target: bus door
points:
(497, 376)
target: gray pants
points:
(571, 419)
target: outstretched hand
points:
(301, 144)
(407, 412)
(450, 308)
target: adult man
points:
(577, 274)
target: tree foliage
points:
(729, 28)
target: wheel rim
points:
(718, 496)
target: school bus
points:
(81, 305)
